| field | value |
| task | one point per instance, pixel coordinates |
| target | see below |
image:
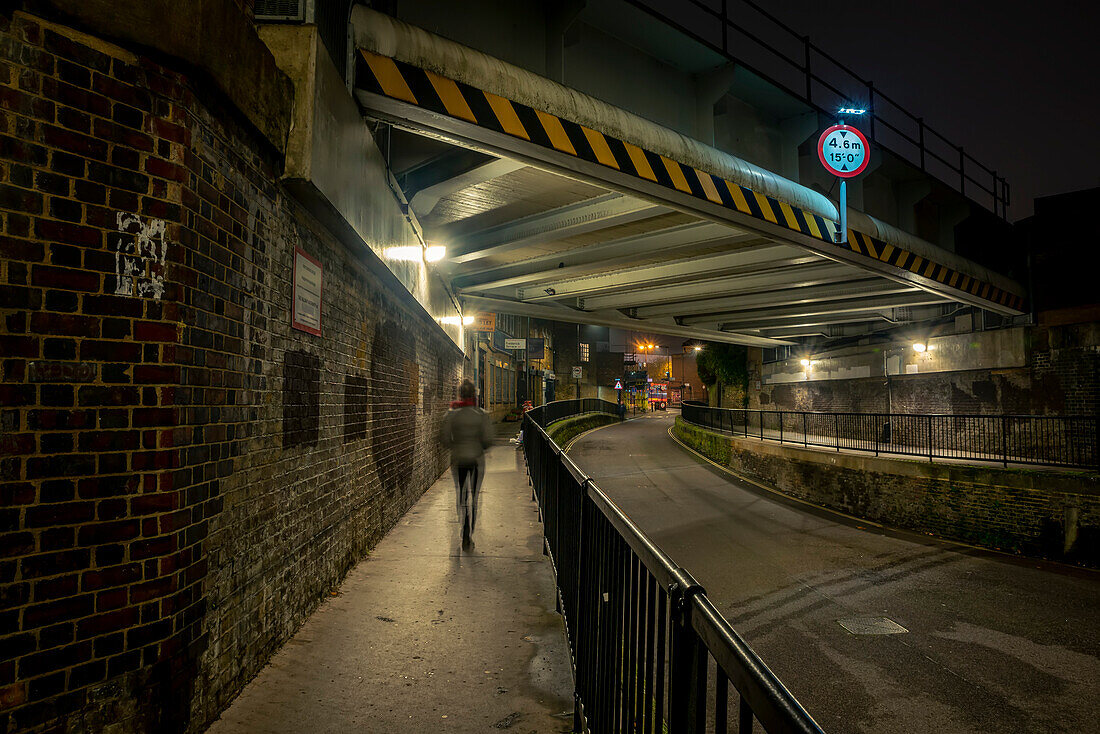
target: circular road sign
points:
(843, 151)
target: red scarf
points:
(463, 403)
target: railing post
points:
(1004, 439)
(805, 432)
(576, 623)
(836, 430)
(688, 676)
(929, 439)
(781, 426)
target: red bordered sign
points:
(843, 150)
(306, 298)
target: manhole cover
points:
(872, 626)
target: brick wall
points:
(184, 476)
(1032, 512)
(1062, 378)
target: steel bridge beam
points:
(850, 306)
(796, 276)
(811, 294)
(560, 313)
(601, 212)
(579, 260)
(677, 271)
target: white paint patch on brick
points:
(140, 254)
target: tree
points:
(724, 364)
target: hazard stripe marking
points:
(556, 133)
(389, 78)
(401, 81)
(452, 99)
(707, 183)
(676, 174)
(765, 208)
(641, 163)
(509, 121)
(599, 147)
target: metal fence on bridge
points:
(1069, 441)
(650, 651)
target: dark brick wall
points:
(1019, 511)
(183, 477)
(1062, 378)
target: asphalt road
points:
(993, 643)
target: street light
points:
(919, 347)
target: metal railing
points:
(780, 55)
(650, 651)
(1068, 441)
(550, 412)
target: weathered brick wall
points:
(1062, 378)
(1020, 511)
(184, 476)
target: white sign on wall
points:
(515, 344)
(307, 293)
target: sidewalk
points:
(424, 638)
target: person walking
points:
(467, 433)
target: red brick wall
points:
(177, 487)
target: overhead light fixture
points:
(456, 320)
(404, 253)
(850, 111)
(698, 349)
(919, 347)
(434, 253)
(805, 362)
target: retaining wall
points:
(1040, 513)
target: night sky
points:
(1014, 82)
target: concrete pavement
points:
(422, 637)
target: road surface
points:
(992, 643)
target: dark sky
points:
(1015, 82)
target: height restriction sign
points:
(843, 151)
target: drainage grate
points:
(872, 626)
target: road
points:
(993, 643)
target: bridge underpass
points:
(190, 468)
(554, 204)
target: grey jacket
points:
(467, 433)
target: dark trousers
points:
(475, 474)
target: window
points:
(584, 351)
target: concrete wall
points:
(1040, 513)
(183, 475)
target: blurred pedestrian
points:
(467, 433)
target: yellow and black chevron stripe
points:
(398, 80)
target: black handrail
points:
(1064, 441)
(960, 164)
(643, 636)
